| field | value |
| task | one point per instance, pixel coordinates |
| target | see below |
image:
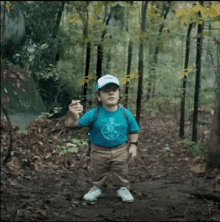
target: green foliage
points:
(5, 63)
(193, 147)
(48, 115)
(73, 147)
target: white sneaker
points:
(124, 193)
(93, 194)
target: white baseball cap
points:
(104, 80)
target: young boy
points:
(109, 137)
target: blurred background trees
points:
(65, 46)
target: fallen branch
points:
(214, 197)
(11, 135)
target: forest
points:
(166, 55)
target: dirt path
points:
(165, 183)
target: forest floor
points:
(168, 182)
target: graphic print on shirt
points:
(111, 131)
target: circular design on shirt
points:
(110, 128)
(110, 131)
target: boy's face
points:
(109, 95)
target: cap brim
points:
(108, 84)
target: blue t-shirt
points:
(111, 128)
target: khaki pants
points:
(110, 160)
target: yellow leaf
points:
(190, 69)
(9, 6)
(182, 74)
(205, 131)
(133, 75)
(91, 76)
(216, 7)
(123, 81)
(81, 81)
(217, 26)
(91, 20)
(206, 33)
(74, 20)
(196, 8)
(212, 12)
(179, 13)
(154, 7)
(212, 111)
(99, 6)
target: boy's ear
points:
(97, 96)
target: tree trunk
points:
(8, 155)
(88, 52)
(3, 31)
(108, 65)
(213, 159)
(128, 71)
(100, 50)
(197, 84)
(149, 80)
(152, 72)
(182, 118)
(140, 64)
(56, 27)
(99, 61)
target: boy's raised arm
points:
(75, 109)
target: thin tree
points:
(108, 63)
(128, 70)
(56, 27)
(140, 64)
(8, 155)
(3, 30)
(100, 46)
(197, 83)
(130, 43)
(164, 14)
(182, 117)
(213, 159)
(59, 15)
(88, 53)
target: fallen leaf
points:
(217, 179)
(36, 158)
(70, 144)
(28, 177)
(47, 156)
(20, 213)
(37, 167)
(14, 163)
(11, 182)
(41, 143)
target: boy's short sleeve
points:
(133, 126)
(87, 118)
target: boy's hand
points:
(132, 152)
(75, 108)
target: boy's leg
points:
(100, 160)
(119, 166)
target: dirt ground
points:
(168, 183)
